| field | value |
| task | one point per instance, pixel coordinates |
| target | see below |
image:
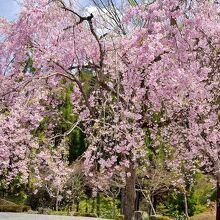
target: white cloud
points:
(103, 18)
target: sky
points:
(9, 9)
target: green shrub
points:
(64, 213)
(199, 208)
(11, 208)
(17, 198)
(159, 217)
(119, 217)
(6, 202)
(145, 216)
(26, 208)
(106, 206)
(7, 206)
(76, 214)
(163, 218)
(93, 215)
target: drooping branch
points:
(91, 26)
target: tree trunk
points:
(152, 205)
(155, 203)
(57, 200)
(77, 206)
(137, 200)
(151, 208)
(218, 200)
(57, 204)
(130, 195)
(138, 215)
(186, 205)
(98, 204)
(29, 184)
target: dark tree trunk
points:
(98, 204)
(3, 193)
(137, 200)
(218, 200)
(155, 202)
(138, 215)
(130, 195)
(77, 206)
(28, 188)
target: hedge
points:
(14, 208)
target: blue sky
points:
(9, 9)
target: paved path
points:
(23, 216)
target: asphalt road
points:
(23, 216)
